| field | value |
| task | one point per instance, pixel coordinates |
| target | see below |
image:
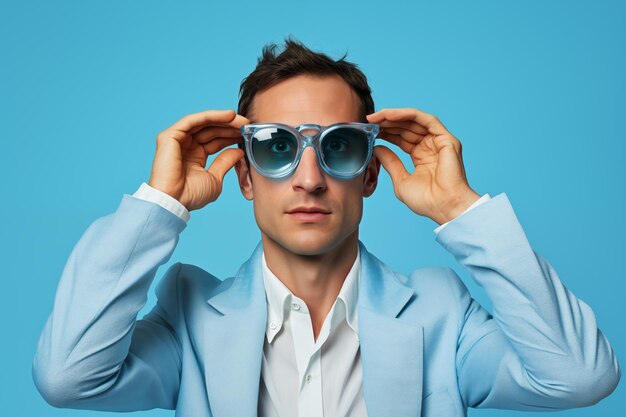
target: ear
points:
(242, 168)
(370, 180)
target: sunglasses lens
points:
(345, 150)
(274, 149)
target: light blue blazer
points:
(427, 348)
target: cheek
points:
(354, 210)
(352, 202)
(266, 202)
(260, 204)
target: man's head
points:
(297, 87)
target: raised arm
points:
(541, 349)
(93, 353)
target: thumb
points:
(393, 165)
(225, 161)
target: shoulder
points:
(425, 280)
(436, 279)
(186, 280)
(439, 295)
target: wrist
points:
(456, 206)
(166, 190)
(150, 193)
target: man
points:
(313, 324)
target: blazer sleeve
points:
(541, 349)
(93, 353)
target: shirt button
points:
(273, 325)
(296, 306)
(308, 378)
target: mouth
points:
(309, 214)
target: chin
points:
(309, 243)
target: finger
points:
(209, 133)
(218, 144)
(412, 126)
(427, 120)
(225, 161)
(195, 120)
(444, 141)
(398, 141)
(236, 123)
(393, 165)
(166, 136)
(407, 135)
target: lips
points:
(309, 214)
(312, 209)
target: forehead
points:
(304, 99)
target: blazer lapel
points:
(234, 341)
(391, 349)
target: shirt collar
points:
(279, 299)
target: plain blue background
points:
(534, 90)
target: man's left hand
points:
(438, 187)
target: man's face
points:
(300, 100)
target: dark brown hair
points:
(297, 59)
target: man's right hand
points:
(182, 151)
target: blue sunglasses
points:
(343, 149)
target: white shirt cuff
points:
(486, 197)
(148, 193)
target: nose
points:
(309, 176)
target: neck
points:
(316, 279)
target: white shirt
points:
(303, 377)
(300, 376)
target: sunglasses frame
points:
(314, 141)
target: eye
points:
(335, 145)
(280, 145)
